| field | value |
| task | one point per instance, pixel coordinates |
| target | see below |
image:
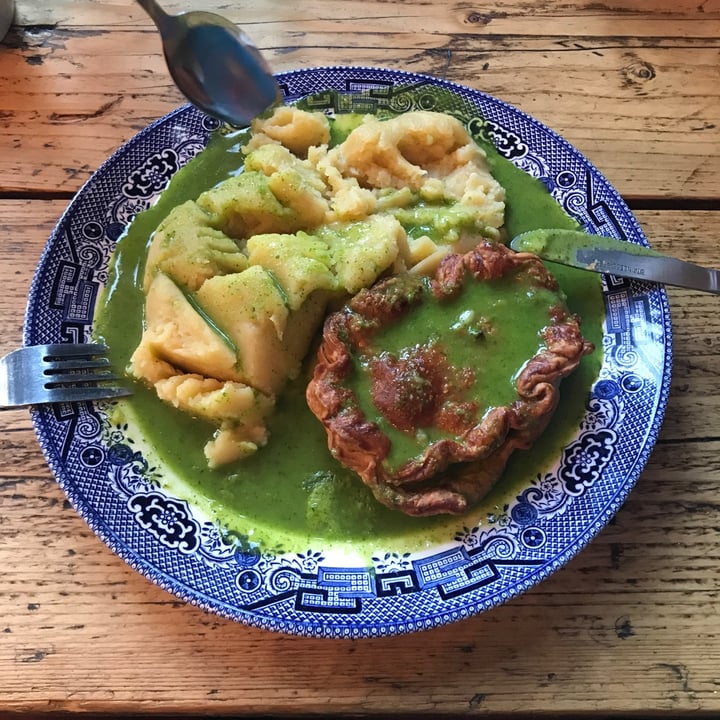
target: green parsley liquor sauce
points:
(492, 327)
(292, 495)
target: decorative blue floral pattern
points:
(315, 591)
(170, 521)
(586, 459)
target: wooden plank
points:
(339, 13)
(642, 102)
(696, 324)
(628, 626)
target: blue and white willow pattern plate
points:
(313, 592)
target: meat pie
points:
(427, 385)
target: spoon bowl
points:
(214, 64)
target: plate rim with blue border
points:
(169, 542)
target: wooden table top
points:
(630, 625)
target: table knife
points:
(615, 257)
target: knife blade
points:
(615, 257)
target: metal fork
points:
(61, 372)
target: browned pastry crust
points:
(451, 474)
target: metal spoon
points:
(214, 64)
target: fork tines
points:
(56, 373)
(75, 364)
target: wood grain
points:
(635, 87)
(630, 625)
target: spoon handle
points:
(151, 7)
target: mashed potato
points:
(237, 282)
